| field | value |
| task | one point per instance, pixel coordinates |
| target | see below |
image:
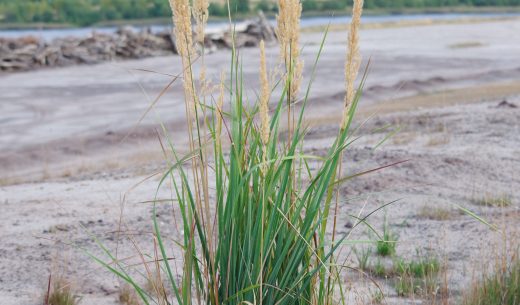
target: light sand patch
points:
(406, 23)
(497, 91)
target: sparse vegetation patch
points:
(465, 45)
(60, 292)
(500, 288)
(500, 201)
(436, 213)
(417, 277)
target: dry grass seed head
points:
(200, 14)
(184, 42)
(288, 32)
(264, 96)
(353, 61)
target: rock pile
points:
(29, 53)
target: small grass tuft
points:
(377, 298)
(500, 201)
(420, 268)
(387, 246)
(466, 45)
(127, 296)
(404, 138)
(363, 257)
(438, 140)
(380, 270)
(502, 288)
(60, 292)
(408, 285)
(405, 286)
(417, 277)
(435, 213)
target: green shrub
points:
(216, 9)
(264, 6)
(310, 5)
(332, 5)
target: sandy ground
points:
(67, 166)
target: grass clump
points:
(417, 277)
(466, 45)
(60, 292)
(420, 268)
(377, 298)
(435, 213)
(407, 285)
(388, 244)
(127, 296)
(256, 212)
(379, 269)
(438, 140)
(501, 288)
(363, 257)
(500, 201)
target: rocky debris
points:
(506, 104)
(29, 53)
(249, 34)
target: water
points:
(50, 34)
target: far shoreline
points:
(239, 17)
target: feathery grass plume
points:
(352, 64)
(288, 32)
(353, 61)
(200, 14)
(184, 43)
(264, 96)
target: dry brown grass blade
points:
(47, 295)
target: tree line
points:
(86, 12)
